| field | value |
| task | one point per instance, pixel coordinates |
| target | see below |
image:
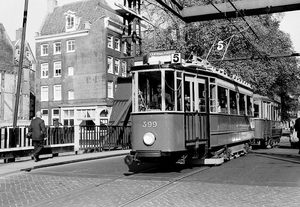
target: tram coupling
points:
(129, 159)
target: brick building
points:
(9, 66)
(80, 54)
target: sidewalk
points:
(28, 165)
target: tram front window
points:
(151, 89)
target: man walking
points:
(38, 129)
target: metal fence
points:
(104, 137)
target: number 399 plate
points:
(149, 124)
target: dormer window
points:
(72, 21)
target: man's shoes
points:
(36, 159)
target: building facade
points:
(9, 70)
(80, 55)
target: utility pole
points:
(20, 70)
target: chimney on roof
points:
(19, 34)
(51, 5)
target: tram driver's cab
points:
(168, 90)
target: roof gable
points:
(86, 10)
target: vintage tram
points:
(188, 110)
(267, 121)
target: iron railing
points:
(104, 137)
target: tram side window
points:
(169, 90)
(213, 97)
(249, 105)
(222, 100)
(256, 110)
(242, 104)
(201, 96)
(179, 97)
(187, 96)
(232, 102)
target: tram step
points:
(208, 161)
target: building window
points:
(86, 113)
(44, 70)
(68, 117)
(44, 93)
(71, 46)
(55, 114)
(57, 48)
(124, 68)
(110, 64)
(70, 71)
(57, 69)
(70, 22)
(110, 41)
(125, 47)
(70, 94)
(110, 88)
(117, 44)
(45, 115)
(44, 49)
(57, 92)
(117, 66)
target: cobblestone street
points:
(35, 190)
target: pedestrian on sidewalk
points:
(38, 129)
(297, 129)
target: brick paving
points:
(25, 189)
(42, 190)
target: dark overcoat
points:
(38, 129)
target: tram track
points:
(170, 182)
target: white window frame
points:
(70, 22)
(44, 93)
(110, 39)
(124, 68)
(110, 89)
(110, 61)
(57, 48)
(117, 44)
(71, 95)
(44, 49)
(86, 114)
(57, 92)
(44, 70)
(125, 47)
(70, 71)
(45, 115)
(68, 115)
(70, 46)
(55, 116)
(57, 69)
(117, 66)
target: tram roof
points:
(196, 69)
(266, 98)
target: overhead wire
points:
(242, 16)
(236, 28)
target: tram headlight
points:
(149, 139)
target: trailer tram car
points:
(201, 113)
(267, 121)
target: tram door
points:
(195, 92)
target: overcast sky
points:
(11, 16)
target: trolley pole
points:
(20, 72)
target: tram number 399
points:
(149, 124)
